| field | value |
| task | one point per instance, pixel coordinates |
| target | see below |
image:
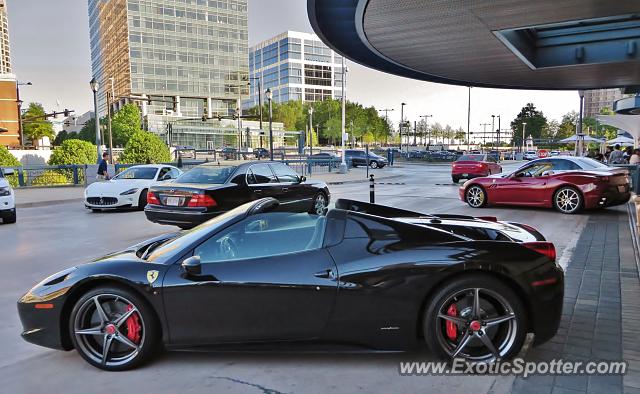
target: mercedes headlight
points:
(5, 191)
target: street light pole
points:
(19, 102)
(310, 130)
(401, 123)
(94, 87)
(269, 96)
(343, 164)
(109, 98)
(426, 119)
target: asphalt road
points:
(48, 239)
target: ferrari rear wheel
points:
(476, 196)
(567, 200)
(113, 329)
(476, 318)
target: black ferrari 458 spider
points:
(363, 274)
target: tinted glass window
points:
(164, 171)
(535, 170)
(564, 165)
(284, 173)
(471, 158)
(138, 173)
(261, 173)
(590, 164)
(207, 174)
(262, 235)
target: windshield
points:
(471, 158)
(137, 173)
(165, 252)
(588, 164)
(207, 174)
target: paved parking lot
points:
(47, 239)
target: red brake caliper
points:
(452, 330)
(134, 328)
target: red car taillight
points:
(201, 200)
(152, 199)
(545, 248)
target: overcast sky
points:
(50, 47)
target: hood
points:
(4, 182)
(117, 186)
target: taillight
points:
(201, 200)
(152, 199)
(545, 248)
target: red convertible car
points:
(567, 184)
(473, 166)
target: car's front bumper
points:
(111, 202)
(7, 213)
(185, 217)
(42, 326)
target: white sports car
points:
(129, 188)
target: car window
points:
(138, 173)
(174, 173)
(207, 174)
(284, 173)
(264, 235)
(590, 164)
(260, 173)
(564, 165)
(535, 170)
(163, 171)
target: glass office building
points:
(189, 57)
(295, 66)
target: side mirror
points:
(192, 265)
(302, 179)
(8, 171)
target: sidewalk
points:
(601, 316)
(42, 196)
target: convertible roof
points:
(391, 212)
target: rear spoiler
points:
(389, 212)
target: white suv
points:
(530, 155)
(7, 199)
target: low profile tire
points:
(567, 200)
(475, 196)
(455, 179)
(11, 218)
(142, 200)
(117, 320)
(477, 318)
(320, 203)
(373, 164)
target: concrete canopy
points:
(628, 123)
(523, 44)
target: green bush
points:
(51, 177)
(146, 148)
(74, 151)
(9, 160)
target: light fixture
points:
(94, 85)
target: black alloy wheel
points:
(476, 318)
(113, 329)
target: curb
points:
(46, 203)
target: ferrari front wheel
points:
(567, 200)
(476, 196)
(113, 329)
(476, 318)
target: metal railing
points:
(39, 176)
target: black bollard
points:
(372, 193)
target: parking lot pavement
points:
(50, 238)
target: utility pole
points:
(484, 134)
(386, 118)
(343, 163)
(426, 124)
(109, 98)
(401, 123)
(493, 127)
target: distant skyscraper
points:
(596, 100)
(295, 66)
(5, 54)
(188, 56)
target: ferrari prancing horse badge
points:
(152, 276)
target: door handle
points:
(326, 274)
(257, 190)
(284, 189)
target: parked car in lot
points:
(229, 153)
(442, 155)
(473, 166)
(554, 153)
(209, 190)
(260, 153)
(530, 155)
(324, 158)
(7, 198)
(568, 184)
(253, 274)
(129, 188)
(186, 152)
(359, 158)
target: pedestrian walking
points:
(616, 157)
(103, 168)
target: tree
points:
(145, 147)
(535, 123)
(460, 135)
(74, 151)
(124, 124)
(9, 160)
(88, 131)
(34, 124)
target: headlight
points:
(128, 192)
(5, 191)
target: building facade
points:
(186, 57)
(295, 66)
(596, 100)
(5, 54)
(9, 125)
